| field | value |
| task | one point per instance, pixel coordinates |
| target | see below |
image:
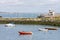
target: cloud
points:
(28, 2)
(50, 2)
(14, 2)
(29, 5)
(54, 0)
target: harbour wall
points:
(35, 21)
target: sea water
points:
(7, 33)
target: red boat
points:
(25, 33)
(51, 28)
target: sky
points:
(29, 6)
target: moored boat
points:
(40, 29)
(10, 25)
(51, 28)
(25, 33)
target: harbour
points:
(7, 33)
(29, 19)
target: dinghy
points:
(51, 28)
(25, 33)
(10, 25)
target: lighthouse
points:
(51, 14)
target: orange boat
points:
(51, 28)
(25, 33)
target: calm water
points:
(21, 15)
(7, 33)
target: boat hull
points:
(25, 33)
(51, 28)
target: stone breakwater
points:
(37, 21)
(18, 20)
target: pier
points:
(19, 20)
(34, 21)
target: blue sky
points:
(32, 6)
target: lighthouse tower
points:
(51, 13)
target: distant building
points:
(52, 14)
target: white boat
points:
(40, 29)
(10, 25)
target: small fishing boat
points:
(51, 28)
(10, 25)
(40, 29)
(25, 33)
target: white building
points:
(52, 14)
